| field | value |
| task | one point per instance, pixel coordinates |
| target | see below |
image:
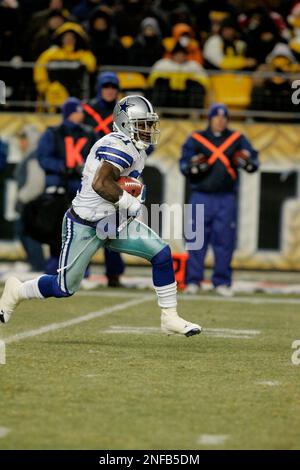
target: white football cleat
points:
(224, 291)
(191, 289)
(11, 297)
(172, 323)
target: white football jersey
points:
(117, 149)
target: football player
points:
(121, 153)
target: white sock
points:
(167, 295)
(30, 290)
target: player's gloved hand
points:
(198, 164)
(130, 204)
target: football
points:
(130, 185)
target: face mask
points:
(184, 41)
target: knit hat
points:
(218, 109)
(71, 105)
(107, 77)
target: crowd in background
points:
(223, 34)
(167, 35)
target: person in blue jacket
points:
(210, 161)
(62, 151)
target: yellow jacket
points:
(56, 53)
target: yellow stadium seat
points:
(234, 90)
(132, 81)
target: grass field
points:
(93, 372)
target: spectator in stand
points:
(43, 39)
(209, 15)
(178, 81)
(184, 35)
(10, 46)
(262, 38)
(40, 18)
(83, 8)
(71, 46)
(105, 44)
(147, 47)
(252, 16)
(226, 50)
(10, 22)
(130, 15)
(273, 93)
(172, 12)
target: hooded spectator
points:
(72, 45)
(84, 7)
(178, 81)
(104, 41)
(273, 92)
(130, 16)
(147, 47)
(40, 18)
(263, 38)
(183, 34)
(170, 13)
(226, 50)
(209, 15)
(43, 39)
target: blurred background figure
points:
(105, 44)
(130, 14)
(147, 47)
(30, 179)
(226, 50)
(39, 33)
(178, 81)
(43, 38)
(273, 92)
(55, 83)
(98, 115)
(210, 160)
(184, 35)
(263, 36)
(62, 151)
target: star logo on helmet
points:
(124, 106)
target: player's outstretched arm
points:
(105, 182)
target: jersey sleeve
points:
(113, 150)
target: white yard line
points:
(229, 330)
(4, 431)
(75, 321)
(268, 383)
(212, 439)
(217, 332)
(198, 298)
(109, 294)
